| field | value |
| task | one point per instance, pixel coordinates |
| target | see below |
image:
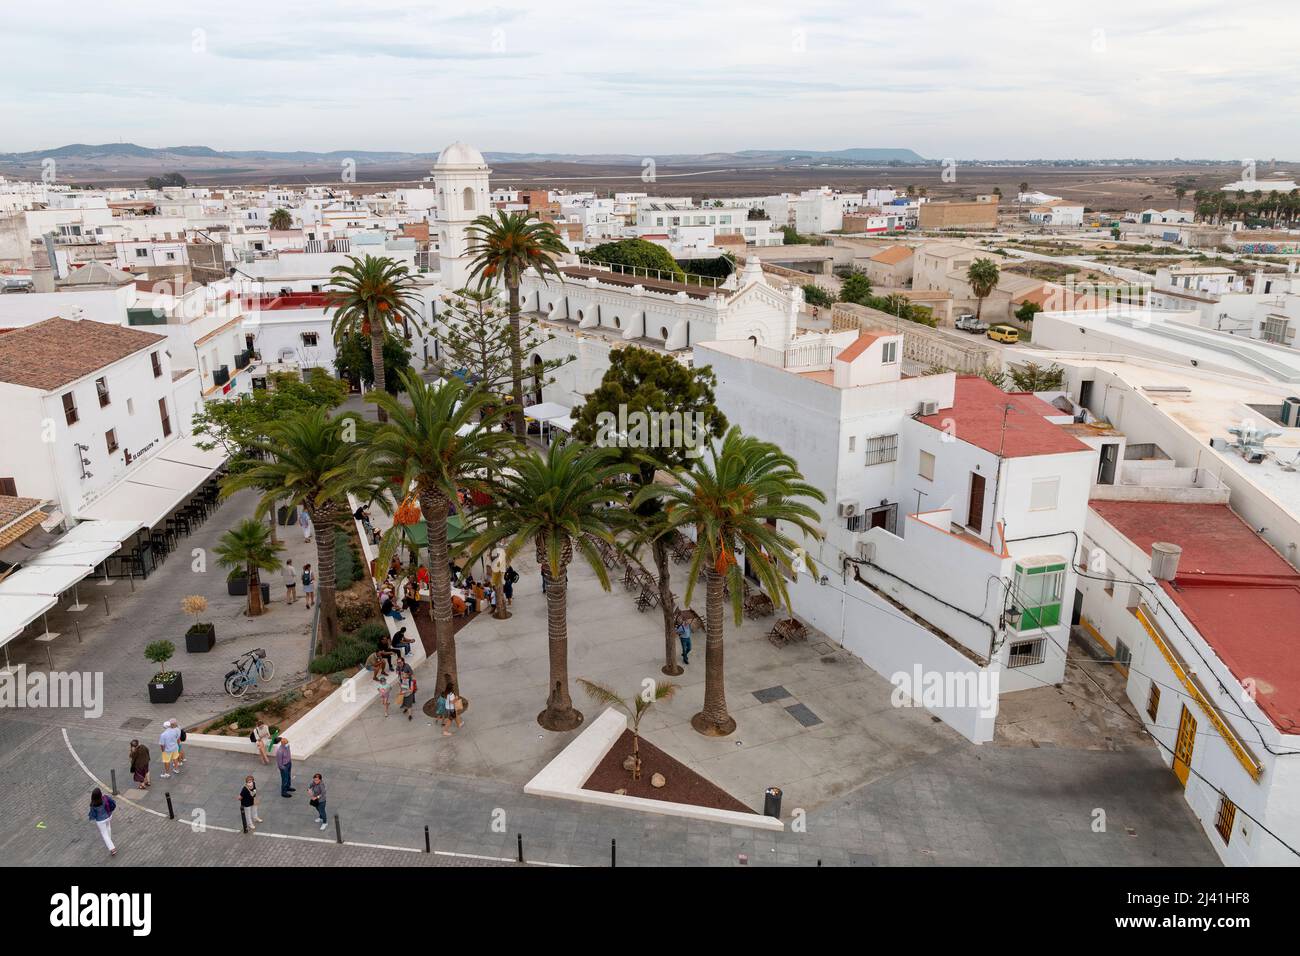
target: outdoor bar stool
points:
(181, 522)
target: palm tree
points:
(281, 220)
(635, 708)
(557, 502)
(441, 439)
(373, 296)
(248, 546)
(734, 500)
(983, 278)
(1180, 192)
(311, 464)
(504, 249)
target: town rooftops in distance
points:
(57, 351)
(893, 255)
(976, 417)
(1242, 596)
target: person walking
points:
(140, 765)
(407, 686)
(385, 691)
(290, 578)
(284, 760)
(684, 637)
(101, 814)
(304, 522)
(308, 586)
(180, 745)
(448, 707)
(261, 738)
(169, 744)
(248, 804)
(508, 583)
(317, 791)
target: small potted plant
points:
(165, 686)
(201, 637)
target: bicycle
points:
(253, 668)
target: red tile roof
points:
(1241, 595)
(57, 351)
(977, 413)
(860, 345)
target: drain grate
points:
(136, 723)
(769, 694)
(801, 713)
(822, 647)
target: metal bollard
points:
(338, 829)
(77, 627)
(113, 776)
(427, 848)
(613, 852)
(243, 818)
(171, 813)
(521, 848)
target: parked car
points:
(967, 322)
(1004, 333)
(16, 284)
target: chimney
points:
(1164, 560)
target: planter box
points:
(201, 640)
(237, 587)
(166, 693)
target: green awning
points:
(418, 535)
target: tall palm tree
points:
(504, 248)
(557, 502)
(373, 296)
(733, 500)
(441, 439)
(311, 464)
(983, 278)
(248, 546)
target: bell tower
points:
(460, 177)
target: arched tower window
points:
(468, 198)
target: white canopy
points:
(156, 488)
(546, 411)
(19, 610)
(144, 504)
(79, 554)
(48, 580)
(97, 532)
(186, 452)
(161, 473)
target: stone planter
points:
(166, 693)
(201, 638)
(237, 587)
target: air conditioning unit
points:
(847, 509)
(867, 551)
(929, 408)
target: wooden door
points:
(975, 507)
(1184, 744)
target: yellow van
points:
(1004, 333)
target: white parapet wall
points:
(564, 776)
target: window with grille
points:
(882, 449)
(101, 387)
(1226, 816)
(70, 408)
(1025, 653)
(1275, 330)
(1153, 700)
(309, 339)
(1123, 654)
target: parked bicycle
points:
(253, 668)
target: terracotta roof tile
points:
(58, 351)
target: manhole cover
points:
(135, 723)
(801, 713)
(769, 694)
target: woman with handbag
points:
(407, 686)
(140, 765)
(101, 814)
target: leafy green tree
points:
(475, 343)
(815, 295)
(640, 382)
(1032, 377)
(311, 464)
(167, 179)
(1027, 311)
(556, 502)
(280, 220)
(983, 278)
(503, 249)
(422, 444)
(792, 236)
(638, 254)
(856, 289)
(248, 546)
(729, 497)
(354, 360)
(373, 297)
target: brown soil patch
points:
(307, 696)
(424, 626)
(684, 785)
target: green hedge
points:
(348, 567)
(353, 649)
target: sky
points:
(1155, 79)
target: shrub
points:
(355, 610)
(352, 649)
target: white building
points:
(1058, 212)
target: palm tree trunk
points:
(517, 363)
(979, 307)
(323, 520)
(713, 720)
(668, 606)
(436, 508)
(560, 714)
(377, 360)
(254, 592)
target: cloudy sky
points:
(1104, 78)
